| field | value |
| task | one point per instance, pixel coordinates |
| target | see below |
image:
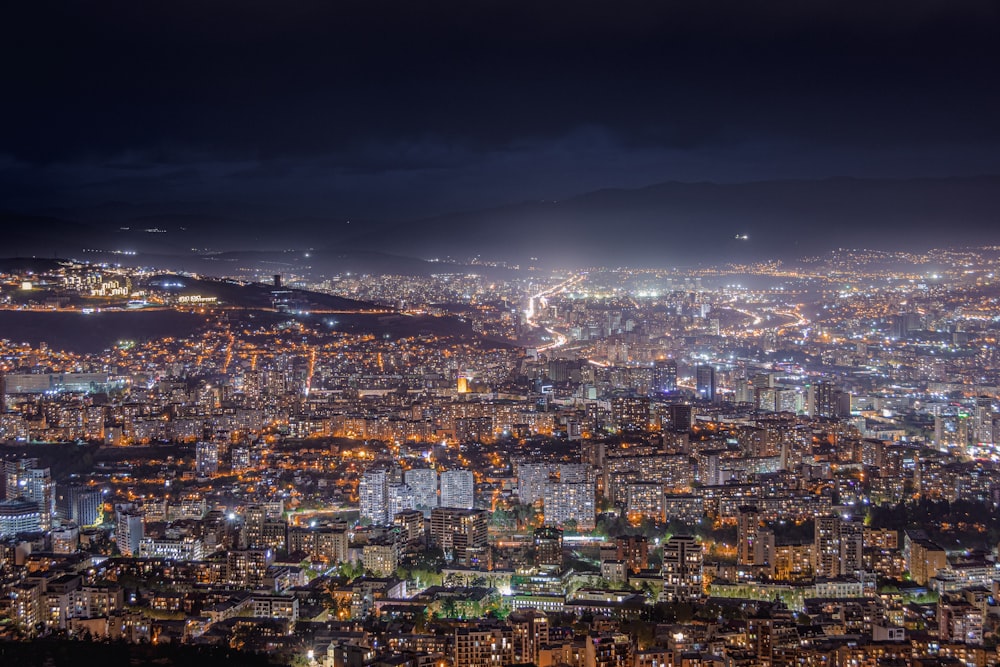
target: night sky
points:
(311, 113)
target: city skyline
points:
(498, 334)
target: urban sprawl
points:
(762, 464)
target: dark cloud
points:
(381, 107)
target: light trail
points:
(559, 338)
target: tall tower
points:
(373, 497)
(424, 483)
(838, 546)
(129, 532)
(705, 382)
(664, 376)
(746, 534)
(206, 459)
(457, 489)
(682, 568)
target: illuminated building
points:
(530, 632)
(837, 546)
(252, 535)
(328, 544)
(664, 376)
(607, 649)
(644, 500)
(65, 540)
(748, 523)
(129, 532)
(924, 558)
(548, 542)
(705, 382)
(457, 489)
(532, 479)
(81, 504)
(240, 458)
(831, 401)
(19, 516)
(25, 479)
(380, 557)
(184, 548)
(246, 568)
(792, 562)
(373, 495)
(633, 550)
(570, 502)
(457, 531)
(424, 484)
(206, 459)
(411, 522)
(630, 413)
(484, 646)
(400, 498)
(959, 621)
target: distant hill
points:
(254, 295)
(687, 223)
(666, 224)
(323, 261)
(35, 264)
(45, 236)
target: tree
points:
(503, 519)
(525, 515)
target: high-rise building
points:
(252, 534)
(411, 523)
(481, 647)
(457, 489)
(837, 546)
(206, 459)
(705, 382)
(826, 546)
(19, 516)
(831, 401)
(458, 531)
(680, 416)
(630, 413)
(239, 457)
(747, 525)
(664, 376)
(80, 504)
(532, 479)
(24, 479)
(36, 485)
(682, 568)
(373, 497)
(400, 499)
(246, 568)
(983, 420)
(531, 632)
(548, 543)
(633, 550)
(851, 546)
(424, 483)
(129, 532)
(564, 503)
